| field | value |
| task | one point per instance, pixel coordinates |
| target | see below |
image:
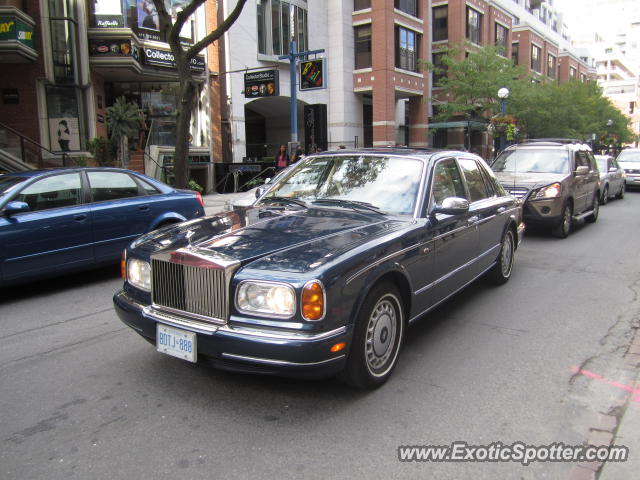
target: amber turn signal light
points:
(123, 265)
(337, 347)
(313, 301)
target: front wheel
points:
(377, 339)
(501, 272)
(562, 229)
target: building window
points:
(407, 43)
(514, 53)
(535, 59)
(362, 35)
(407, 6)
(440, 23)
(632, 107)
(439, 68)
(474, 26)
(551, 66)
(572, 73)
(279, 23)
(66, 127)
(583, 78)
(502, 35)
(361, 4)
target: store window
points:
(535, 58)
(551, 66)
(279, 23)
(407, 46)
(474, 26)
(440, 21)
(362, 38)
(502, 36)
(407, 6)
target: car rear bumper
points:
(632, 180)
(244, 349)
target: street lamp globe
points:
(503, 93)
(609, 123)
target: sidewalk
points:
(222, 202)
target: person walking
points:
(282, 158)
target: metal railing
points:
(30, 152)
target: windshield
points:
(389, 184)
(7, 182)
(629, 156)
(532, 161)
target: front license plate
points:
(177, 343)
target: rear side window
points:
(107, 186)
(150, 189)
(52, 192)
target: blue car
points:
(56, 221)
(325, 272)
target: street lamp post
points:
(503, 94)
(609, 125)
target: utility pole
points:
(293, 67)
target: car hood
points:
(288, 240)
(529, 180)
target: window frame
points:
(366, 54)
(431, 198)
(81, 194)
(473, 32)
(272, 39)
(141, 191)
(505, 43)
(410, 7)
(408, 56)
(440, 25)
(536, 58)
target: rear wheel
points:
(563, 228)
(501, 271)
(622, 190)
(377, 339)
(595, 207)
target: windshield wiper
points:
(348, 203)
(292, 201)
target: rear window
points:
(532, 161)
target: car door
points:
(592, 181)
(487, 211)
(455, 237)
(616, 178)
(120, 212)
(54, 235)
(582, 184)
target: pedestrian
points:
(282, 158)
(297, 155)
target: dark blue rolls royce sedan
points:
(55, 221)
(324, 273)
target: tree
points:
(170, 31)
(123, 121)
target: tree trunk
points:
(187, 94)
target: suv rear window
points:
(532, 161)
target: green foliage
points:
(103, 151)
(123, 119)
(195, 186)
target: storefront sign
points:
(164, 58)
(108, 13)
(261, 84)
(12, 28)
(110, 48)
(312, 74)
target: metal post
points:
(503, 110)
(293, 67)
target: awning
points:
(460, 124)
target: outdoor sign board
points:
(164, 58)
(12, 28)
(312, 74)
(264, 83)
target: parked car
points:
(629, 160)
(612, 178)
(323, 274)
(56, 221)
(557, 180)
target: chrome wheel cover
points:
(381, 341)
(506, 255)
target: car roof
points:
(46, 171)
(412, 151)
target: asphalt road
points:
(82, 396)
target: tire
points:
(501, 271)
(620, 194)
(595, 206)
(377, 339)
(605, 195)
(563, 228)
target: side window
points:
(475, 182)
(447, 181)
(111, 186)
(52, 192)
(150, 189)
(581, 160)
(592, 161)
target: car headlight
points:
(266, 298)
(551, 191)
(139, 274)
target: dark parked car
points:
(557, 180)
(326, 271)
(55, 221)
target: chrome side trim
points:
(384, 259)
(453, 272)
(415, 317)
(283, 363)
(452, 232)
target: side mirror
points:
(267, 180)
(15, 207)
(452, 206)
(582, 170)
(613, 170)
(259, 192)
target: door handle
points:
(473, 220)
(143, 208)
(81, 217)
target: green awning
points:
(460, 124)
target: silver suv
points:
(557, 180)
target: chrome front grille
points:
(188, 289)
(517, 192)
